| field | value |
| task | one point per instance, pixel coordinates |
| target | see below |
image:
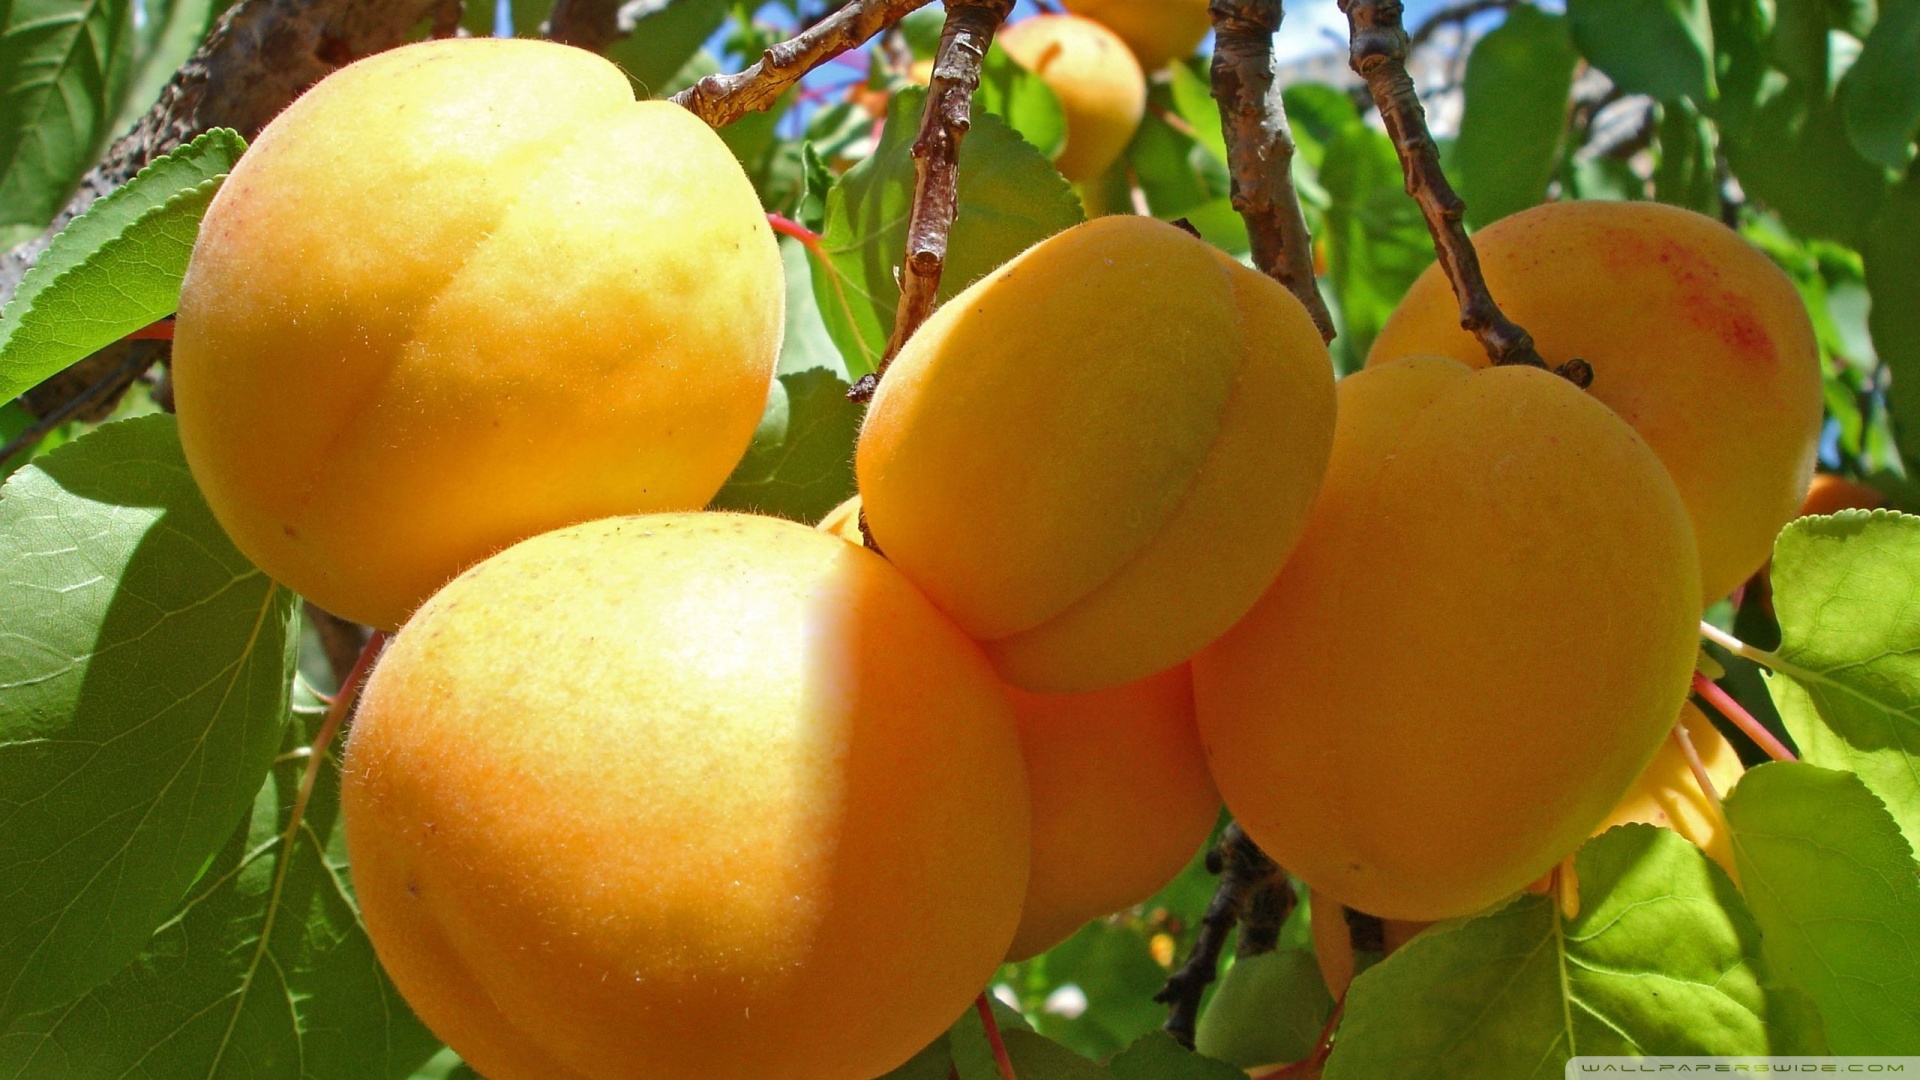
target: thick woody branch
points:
(969, 32)
(722, 99)
(1379, 56)
(587, 24)
(1254, 895)
(1260, 148)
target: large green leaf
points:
(63, 74)
(1518, 81)
(1267, 1009)
(664, 40)
(264, 973)
(1835, 890)
(1792, 154)
(800, 464)
(1661, 959)
(1847, 591)
(1024, 100)
(1688, 174)
(1010, 199)
(1034, 1057)
(1658, 47)
(115, 268)
(1159, 1057)
(1882, 89)
(1892, 257)
(144, 668)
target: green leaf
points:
(935, 1062)
(800, 463)
(63, 75)
(1159, 1057)
(1835, 890)
(1847, 681)
(663, 40)
(1034, 1057)
(527, 16)
(1518, 81)
(1193, 100)
(172, 30)
(1688, 172)
(1377, 241)
(1892, 257)
(1111, 965)
(1010, 199)
(806, 344)
(264, 973)
(115, 268)
(1661, 959)
(1659, 47)
(1267, 1010)
(1793, 155)
(1882, 89)
(144, 668)
(1023, 100)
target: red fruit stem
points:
(1737, 714)
(984, 1007)
(159, 331)
(786, 226)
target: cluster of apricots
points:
(638, 790)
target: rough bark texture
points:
(588, 24)
(970, 27)
(1252, 888)
(1260, 148)
(1379, 56)
(722, 99)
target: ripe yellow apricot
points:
(1695, 337)
(1158, 31)
(1097, 457)
(1476, 648)
(1333, 941)
(1121, 801)
(462, 293)
(1831, 494)
(1102, 91)
(1668, 795)
(688, 797)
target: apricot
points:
(1158, 31)
(1695, 337)
(1668, 795)
(1478, 645)
(1333, 941)
(688, 797)
(1121, 801)
(1097, 457)
(1831, 494)
(459, 294)
(1102, 91)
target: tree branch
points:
(969, 31)
(587, 24)
(722, 99)
(1379, 56)
(1260, 148)
(1245, 873)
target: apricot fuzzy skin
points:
(1669, 795)
(1102, 90)
(1158, 31)
(1096, 457)
(1695, 337)
(677, 796)
(1121, 801)
(1477, 647)
(459, 294)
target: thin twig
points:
(1454, 16)
(1738, 715)
(968, 34)
(1379, 56)
(994, 1038)
(586, 24)
(722, 99)
(1260, 148)
(1695, 765)
(1244, 870)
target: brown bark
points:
(587, 24)
(1379, 56)
(1260, 148)
(722, 99)
(1253, 893)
